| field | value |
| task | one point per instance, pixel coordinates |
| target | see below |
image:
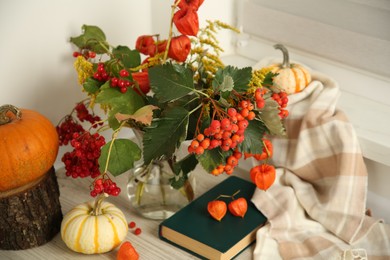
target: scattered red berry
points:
(132, 224)
(137, 231)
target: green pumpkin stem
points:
(4, 119)
(286, 58)
(98, 203)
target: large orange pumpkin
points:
(28, 146)
(291, 77)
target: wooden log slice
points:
(31, 215)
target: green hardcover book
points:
(194, 230)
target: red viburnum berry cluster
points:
(83, 160)
(87, 54)
(104, 185)
(121, 82)
(67, 128)
(101, 73)
(84, 115)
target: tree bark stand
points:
(31, 215)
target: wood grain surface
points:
(148, 244)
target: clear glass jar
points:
(151, 193)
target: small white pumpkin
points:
(85, 231)
(292, 78)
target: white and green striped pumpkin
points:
(89, 232)
(292, 78)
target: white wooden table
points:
(147, 244)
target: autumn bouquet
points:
(170, 91)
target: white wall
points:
(36, 63)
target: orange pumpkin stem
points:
(286, 58)
(4, 119)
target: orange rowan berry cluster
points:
(282, 99)
(231, 163)
(267, 151)
(259, 93)
(225, 133)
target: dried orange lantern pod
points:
(292, 78)
(28, 145)
(127, 252)
(263, 175)
(217, 209)
(238, 207)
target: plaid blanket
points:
(316, 208)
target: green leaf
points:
(129, 58)
(112, 97)
(253, 135)
(210, 159)
(223, 102)
(91, 85)
(185, 165)
(181, 170)
(113, 66)
(240, 77)
(268, 79)
(227, 84)
(270, 116)
(165, 134)
(111, 116)
(178, 181)
(170, 81)
(118, 102)
(122, 157)
(92, 38)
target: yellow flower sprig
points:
(206, 49)
(84, 69)
(258, 77)
(152, 61)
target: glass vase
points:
(151, 194)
